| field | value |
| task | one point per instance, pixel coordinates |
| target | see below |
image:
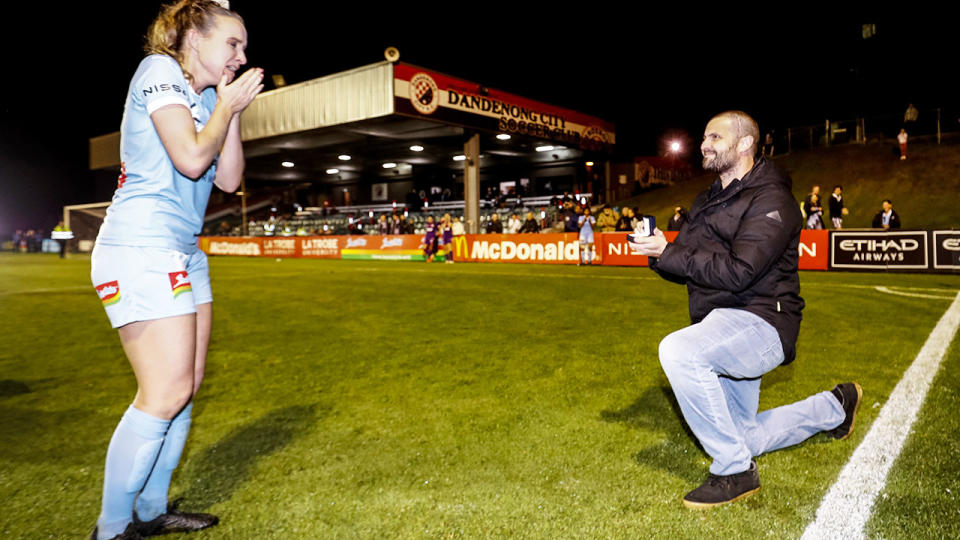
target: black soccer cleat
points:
(130, 533)
(849, 395)
(175, 521)
(718, 490)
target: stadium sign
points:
(280, 247)
(421, 93)
(320, 248)
(946, 250)
(551, 248)
(246, 247)
(896, 250)
(614, 250)
(405, 247)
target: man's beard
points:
(721, 162)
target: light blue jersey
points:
(154, 205)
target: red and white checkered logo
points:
(424, 93)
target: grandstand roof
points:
(375, 113)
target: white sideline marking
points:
(844, 511)
(915, 295)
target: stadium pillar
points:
(471, 185)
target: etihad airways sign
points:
(422, 93)
(900, 250)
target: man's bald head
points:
(744, 126)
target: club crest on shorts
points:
(109, 293)
(180, 283)
(424, 93)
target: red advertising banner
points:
(394, 247)
(814, 247)
(320, 247)
(613, 250)
(245, 246)
(551, 248)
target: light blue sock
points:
(132, 452)
(153, 499)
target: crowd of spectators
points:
(29, 241)
(813, 210)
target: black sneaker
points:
(848, 394)
(719, 490)
(130, 533)
(174, 521)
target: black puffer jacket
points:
(738, 249)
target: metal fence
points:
(930, 123)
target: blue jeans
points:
(714, 367)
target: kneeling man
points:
(737, 254)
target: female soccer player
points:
(180, 135)
(429, 241)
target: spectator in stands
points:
(396, 226)
(886, 218)
(635, 219)
(514, 224)
(383, 225)
(806, 201)
(494, 226)
(768, 144)
(814, 212)
(607, 220)
(586, 223)
(910, 116)
(458, 226)
(412, 200)
(530, 225)
(625, 223)
(32, 241)
(837, 209)
(678, 219)
(570, 217)
(902, 139)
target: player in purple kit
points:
(429, 242)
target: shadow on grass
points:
(214, 475)
(657, 410)
(10, 387)
(37, 436)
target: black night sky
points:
(652, 73)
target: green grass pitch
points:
(349, 399)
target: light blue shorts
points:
(142, 284)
